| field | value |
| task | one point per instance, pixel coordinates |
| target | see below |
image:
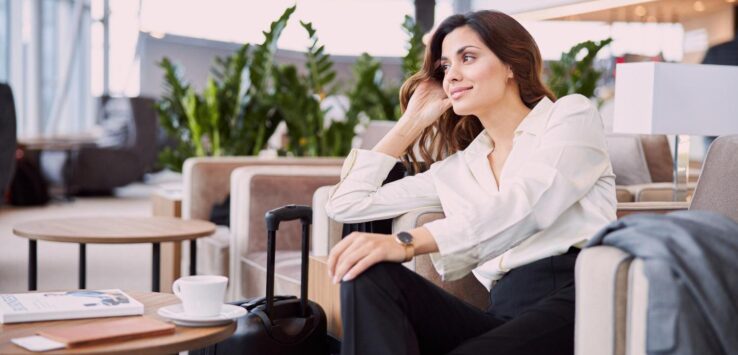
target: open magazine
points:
(39, 306)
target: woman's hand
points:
(358, 251)
(427, 104)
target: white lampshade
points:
(670, 98)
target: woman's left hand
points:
(359, 251)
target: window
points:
(4, 39)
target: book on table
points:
(41, 306)
(107, 331)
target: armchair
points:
(643, 167)
(612, 289)
(256, 190)
(126, 151)
(207, 181)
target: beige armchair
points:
(612, 290)
(254, 191)
(643, 166)
(207, 182)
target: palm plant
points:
(234, 115)
(571, 75)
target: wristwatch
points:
(406, 240)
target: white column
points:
(31, 95)
(16, 67)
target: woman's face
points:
(474, 78)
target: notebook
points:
(38, 306)
(107, 331)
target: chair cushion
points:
(628, 159)
(287, 273)
(212, 252)
(622, 194)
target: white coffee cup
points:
(201, 295)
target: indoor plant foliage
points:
(571, 76)
(249, 94)
(234, 115)
(371, 96)
(299, 98)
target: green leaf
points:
(569, 75)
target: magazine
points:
(39, 306)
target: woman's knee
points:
(379, 276)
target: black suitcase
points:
(283, 325)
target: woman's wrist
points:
(401, 136)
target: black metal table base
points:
(32, 265)
(155, 264)
(82, 266)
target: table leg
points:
(155, 265)
(193, 257)
(82, 266)
(32, 265)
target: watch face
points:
(405, 237)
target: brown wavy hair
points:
(511, 43)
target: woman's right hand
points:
(427, 104)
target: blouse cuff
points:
(367, 166)
(453, 260)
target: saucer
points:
(176, 314)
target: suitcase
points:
(282, 325)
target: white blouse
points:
(556, 190)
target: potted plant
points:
(234, 115)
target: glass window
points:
(4, 39)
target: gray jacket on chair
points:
(690, 262)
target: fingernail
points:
(347, 277)
(335, 280)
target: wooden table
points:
(112, 230)
(184, 338)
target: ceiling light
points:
(699, 6)
(582, 7)
(640, 11)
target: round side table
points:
(112, 230)
(184, 338)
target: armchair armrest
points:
(657, 191)
(601, 274)
(468, 288)
(626, 208)
(326, 231)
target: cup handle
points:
(176, 289)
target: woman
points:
(523, 183)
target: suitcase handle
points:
(288, 213)
(273, 219)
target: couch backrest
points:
(628, 159)
(658, 157)
(207, 180)
(717, 188)
(272, 191)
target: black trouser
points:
(389, 309)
